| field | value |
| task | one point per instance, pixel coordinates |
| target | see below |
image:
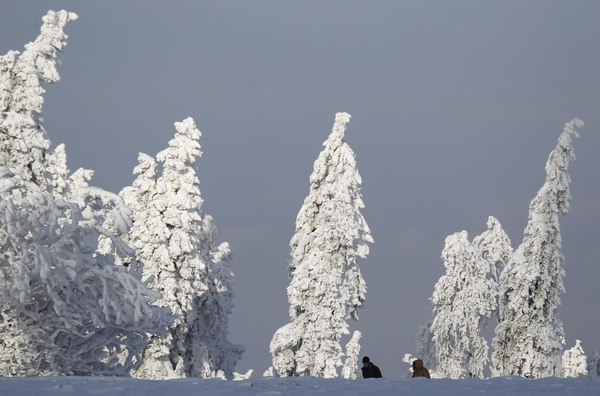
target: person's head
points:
(417, 365)
(366, 361)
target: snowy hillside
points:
(295, 386)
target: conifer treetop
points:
(44, 51)
(326, 287)
(558, 165)
(24, 143)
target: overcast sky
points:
(455, 107)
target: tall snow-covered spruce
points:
(26, 148)
(326, 287)
(175, 241)
(530, 337)
(66, 308)
(463, 299)
(23, 140)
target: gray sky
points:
(455, 107)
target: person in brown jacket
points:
(419, 370)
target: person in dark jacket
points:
(369, 370)
(419, 370)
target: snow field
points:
(273, 386)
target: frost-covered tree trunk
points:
(59, 171)
(23, 141)
(65, 309)
(175, 241)
(529, 338)
(138, 197)
(326, 287)
(574, 362)
(463, 298)
(352, 352)
(495, 248)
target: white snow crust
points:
(500, 386)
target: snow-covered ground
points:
(295, 386)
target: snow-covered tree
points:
(175, 241)
(529, 338)
(574, 361)
(593, 365)
(462, 300)
(138, 197)
(64, 308)
(495, 247)
(23, 140)
(352, 352)
(106, 212)
(326, 287)
(59, 171)
(24, 144)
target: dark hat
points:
(366, 359)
